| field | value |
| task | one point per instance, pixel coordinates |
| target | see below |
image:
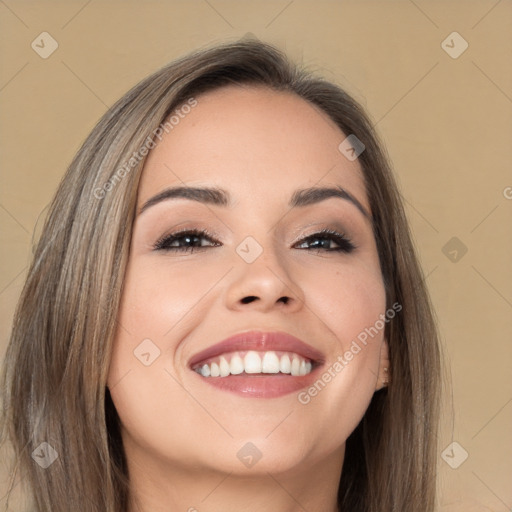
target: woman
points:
(225, 310)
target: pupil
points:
(321, 243)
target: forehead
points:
(258, 143)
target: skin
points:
(181, 435)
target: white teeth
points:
(295, 366)
(225, 369)
(237, 365)
(214, 370)
(252, 362)
(285, 365)
(270, 363)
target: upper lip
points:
(260, 341)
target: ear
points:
(384, 376)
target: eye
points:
(322, 241)
(186, 240)
(193, 239)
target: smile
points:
(252, 362)
(258, 364)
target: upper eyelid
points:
(210, 234)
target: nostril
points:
(248, 299)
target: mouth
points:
(253, 363)
(258, 364)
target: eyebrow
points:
(220, 197)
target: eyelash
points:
(163, 244)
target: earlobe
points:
(384, 377)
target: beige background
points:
(447, 124)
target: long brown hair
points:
(55, 371)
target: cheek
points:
(347, 300)
(157, 305)
(154, 305)
(156, 297)
(350, 303)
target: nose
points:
(263, 285)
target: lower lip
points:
(261, 385)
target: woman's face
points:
(263, 267)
